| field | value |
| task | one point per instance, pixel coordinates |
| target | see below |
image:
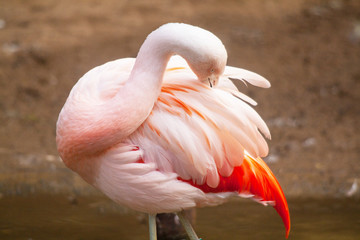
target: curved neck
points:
(95, 129)
(135, 100)
(151, 61)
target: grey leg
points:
(187, 226)
(152, 226)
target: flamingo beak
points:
(213, 80)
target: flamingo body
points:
(178, 143)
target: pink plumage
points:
(163, 133)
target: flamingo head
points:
(203, 51)
(209, 61)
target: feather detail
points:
(244, 75)
(199, 130)
(243, 97)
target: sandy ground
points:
(309, 50)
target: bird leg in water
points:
(152, 226)
(187, 226)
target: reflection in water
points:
(60, 217)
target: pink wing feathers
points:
(199, 130)
(208, 136)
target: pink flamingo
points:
(164, 133)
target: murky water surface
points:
(61, 217)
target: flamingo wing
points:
(199, 130)
(210, 137)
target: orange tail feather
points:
(262, 183)
(254, 177)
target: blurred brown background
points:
(309, 50)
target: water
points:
(61, 217)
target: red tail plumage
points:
(254, 177)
